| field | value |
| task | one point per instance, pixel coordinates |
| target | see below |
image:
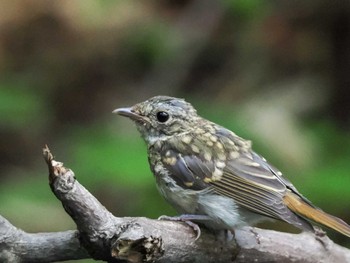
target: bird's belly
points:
(223, 211)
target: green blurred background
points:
(275, 72)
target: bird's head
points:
(160, 117)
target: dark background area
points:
(275, 72)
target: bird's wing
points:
(252, 183)
(248, 179)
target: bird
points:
(210, 174)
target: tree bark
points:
(102, 236)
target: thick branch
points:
(113, 239)
(19, 246)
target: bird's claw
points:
(256, 235)
(186, 219)
(195, 228)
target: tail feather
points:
(298, 206)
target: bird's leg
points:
(230, 234)
(186, 218)
(225, 235)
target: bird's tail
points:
(302, 208)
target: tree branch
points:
(19, 246)
(103, 236)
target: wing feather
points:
(252, 182)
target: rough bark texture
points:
(19, 246)
(102, 236)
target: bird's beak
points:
(130, 113)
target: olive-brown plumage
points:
(202, 168)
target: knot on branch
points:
(134, 246)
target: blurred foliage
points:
(273, 73)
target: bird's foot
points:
(257, 236)
(321, 236)
(187, 219)
(319, 232)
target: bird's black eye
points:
(162, 116)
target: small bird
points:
(208, 173)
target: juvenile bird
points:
(208, 173)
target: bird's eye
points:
(162, 116)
